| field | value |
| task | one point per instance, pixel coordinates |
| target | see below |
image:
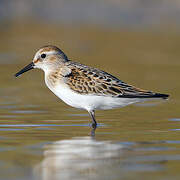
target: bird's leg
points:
(94, 123)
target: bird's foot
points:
(93, 129)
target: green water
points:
(43, 138)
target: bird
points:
(85, 87)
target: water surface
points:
(42, 138)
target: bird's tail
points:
(158, 95)
(148, 95)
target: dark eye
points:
(43, 56)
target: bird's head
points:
(46, 58)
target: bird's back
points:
(87, 80)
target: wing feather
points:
(88, 80)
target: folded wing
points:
(92, 81)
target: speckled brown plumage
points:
(88, 80)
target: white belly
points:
(89, 102)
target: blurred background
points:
(136, 40)
(116, 13)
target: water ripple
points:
(43, 125)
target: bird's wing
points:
(87, 80)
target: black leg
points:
(94, 123)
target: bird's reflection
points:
(80, 158)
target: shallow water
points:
(42, 138)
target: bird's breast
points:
(61, 90)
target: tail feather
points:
(158, 95)
(153, 95)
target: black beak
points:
(27, 68)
